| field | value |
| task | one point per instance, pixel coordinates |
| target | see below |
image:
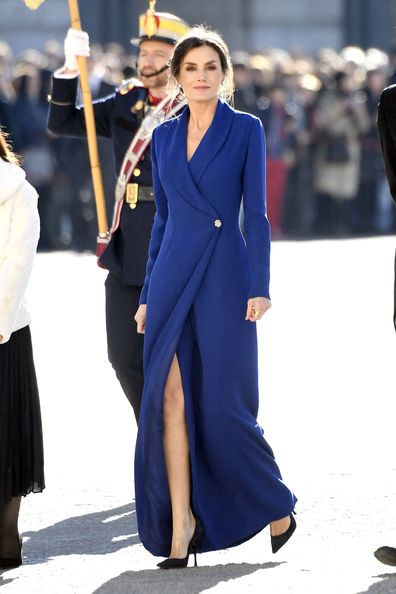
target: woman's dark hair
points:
(199, 37)
(5, 150)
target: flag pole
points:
(89, 121)
(91, 128)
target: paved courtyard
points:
(328, 407)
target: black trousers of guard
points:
(124, 344)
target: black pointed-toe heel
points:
(173, 563)
(12, 562)
(278, 541)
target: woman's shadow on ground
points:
(387, 585)
(179, 581)
(91, 534)
(108, 531)
(4, 581)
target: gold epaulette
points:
(127, 85)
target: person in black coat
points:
(386, 123)
(387, 133)
(119, 117)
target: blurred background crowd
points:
(325, 176)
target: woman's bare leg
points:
(280, 526)
(177, 462)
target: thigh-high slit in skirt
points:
(236, 486)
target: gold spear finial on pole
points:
(89, 120)
(151, 24)
(33, 4)
(152, 6)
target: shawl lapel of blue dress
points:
(187, 174)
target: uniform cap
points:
(160, 26)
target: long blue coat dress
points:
(200, 274)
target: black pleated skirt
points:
(21, 438)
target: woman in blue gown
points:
(205, 477)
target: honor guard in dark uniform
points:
(119, 117)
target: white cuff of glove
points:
(76, 44)
(60, 73)
(71, 62)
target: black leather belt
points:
(136, 193)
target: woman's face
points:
(201, 74)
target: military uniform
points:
(119, 117)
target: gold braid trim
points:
(61, 103)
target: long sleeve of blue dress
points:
(255, 217)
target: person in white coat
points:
(21, 442)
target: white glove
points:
(76, 44)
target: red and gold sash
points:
(168, 107)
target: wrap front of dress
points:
(200, 274)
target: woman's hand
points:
(140, 319)
(256, 308)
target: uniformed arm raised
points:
(255, 218)
(66, 119)
(161, 216)
(386, 123)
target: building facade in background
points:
(245, 24)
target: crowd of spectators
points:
(59, 167)
(325, 176)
